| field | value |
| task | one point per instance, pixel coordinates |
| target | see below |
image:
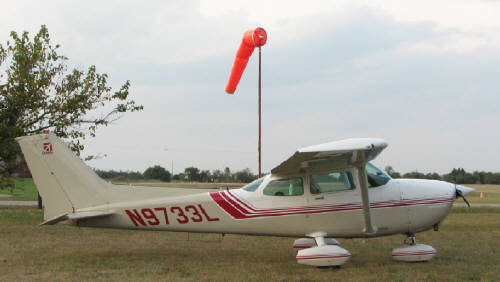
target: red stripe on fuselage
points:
(239, 209)
(226, 206)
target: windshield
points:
(252, 186)
(376, 177)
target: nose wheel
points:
(413, 252)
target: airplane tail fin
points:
(64, 181)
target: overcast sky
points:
(423, 75)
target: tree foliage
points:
(457, 175)
(244, 175)
(38, 93)
(191, 173)
(195, 174)
(119, 175)
(157, 172)
(392, 173)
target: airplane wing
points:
(334, 155)
(338, 155)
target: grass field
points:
(25, 190)
(491, 194)
(468, 249)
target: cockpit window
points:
(331, 182)
(285, 187)
(252, 186)
(376, 177)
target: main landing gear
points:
(322, 252)
(413, 252)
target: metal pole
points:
(39, 201)
(260, 121)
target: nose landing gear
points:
(413, 252)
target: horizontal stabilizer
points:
(77, 215)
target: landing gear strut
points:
(323, 254)
(410, 240)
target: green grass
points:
(25, 190)
(491, 194)
(467, 245)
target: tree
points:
(217, 175)
(180, 176)
(245, 176)
(119, 175)
(157, 172)
(38, 93)
(414, 174)
(227, 175)
(433, 175)
(192, 173)
(205, 176)
(392, 173)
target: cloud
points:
(415, 76)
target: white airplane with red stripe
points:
(320, 193)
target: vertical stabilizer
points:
(64, 181)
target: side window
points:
(250, 187)
(331, 182)
(285, 187)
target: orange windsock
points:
(251, 39)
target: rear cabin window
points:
(285, 187)
(331, 182)
(252, 186)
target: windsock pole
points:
(260, 119)
(251, 39)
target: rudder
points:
(64, 181)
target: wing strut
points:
(361, 165)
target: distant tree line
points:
(194, 174)
(191, 174)
(457, 175)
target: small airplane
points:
(320, 193)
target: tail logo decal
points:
(47, 148)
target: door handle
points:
(320, 198)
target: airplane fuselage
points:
(400, 206)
